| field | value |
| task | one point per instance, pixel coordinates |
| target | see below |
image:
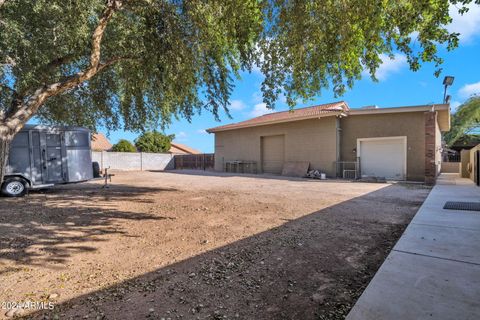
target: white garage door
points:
(383, 157)
(273, 153)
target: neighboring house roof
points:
(318, 111)
(100, 142)
(182, 149)
(335, 109)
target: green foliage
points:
(176, 58)
(467, 140)
(464, 121)
(313, 45)
(124, 146)
(154, 141)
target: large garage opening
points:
(383, 157)
(273, 153)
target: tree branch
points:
(16, 101)
(8, 87)
(112, 61)
(20, 115)
(2, 2)
(59, 61)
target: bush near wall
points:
(124, 146)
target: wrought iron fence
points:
(348, 169)
(451, 157)
(238, 166)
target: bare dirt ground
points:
(188, 245)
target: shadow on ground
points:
(314, 267)
(49, 226)
(222, 174)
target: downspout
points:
(338, 140)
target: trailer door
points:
(53, 157)
(38, 170)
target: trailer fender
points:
(19, 175)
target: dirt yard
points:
(186, 245)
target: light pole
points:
(447, 81)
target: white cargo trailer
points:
(42, 156)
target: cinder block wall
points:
(157, 161)
(451, 167)
(133, 160)
(312, 140)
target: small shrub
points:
(124, 146)
(154, 142)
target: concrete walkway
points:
(433, 272)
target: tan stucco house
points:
(402, 143)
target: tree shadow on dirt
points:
(314, 267)
(47, 227)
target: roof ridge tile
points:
(311, 112)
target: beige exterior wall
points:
(451, 167)
(464, 161)
(409, 124)
(312, 140)
(472, 162)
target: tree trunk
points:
(5, 140)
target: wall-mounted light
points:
(448, 98)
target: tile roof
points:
(286, 116)
(181, 148)
(100, 142)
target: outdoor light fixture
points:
(447, 81)
(448, 98)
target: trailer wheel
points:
(96, 169)
(14, 187)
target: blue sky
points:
(397, 86)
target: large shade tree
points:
(135, 64)
(465, 122)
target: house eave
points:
(329, 114)
(442, 109)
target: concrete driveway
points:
(433, 272)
